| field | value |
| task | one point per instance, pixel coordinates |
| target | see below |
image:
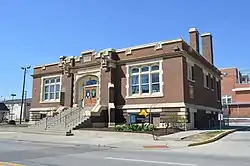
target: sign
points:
(140, 119)
(220, 117)
(143, 113)
(132, 118)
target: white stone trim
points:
(42, 109)
(200, 107)
(41, 88)
(205, 72)
(86, 72)
(149, 110)
(192, 110)
(181, 113)
(148, 45)
(145, 96)
(111, 105)
(193, 30)
(193, 60)
(46, 65)
(181, 105)
(128, 51)
(87, 52)
(190, 62)
(241, 89)
(183, 109)
(158, 46)
(110, 85)
(157, 105)
(206, 34)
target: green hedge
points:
(135, 127)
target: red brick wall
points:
(241, 112)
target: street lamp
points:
(24, 77)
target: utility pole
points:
(24, 79)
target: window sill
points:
(206, 87)
(145, 96)
(191, 80)
(50, 101)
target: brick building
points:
(235, 88)
(163, 78)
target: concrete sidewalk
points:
(108, 139)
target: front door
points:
(90, 96)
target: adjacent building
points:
(14, 106)
(235, 87)
(161, 78)
(3, 111)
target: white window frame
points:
(205, 76)
(140, 65)
(190, 73)
(42, 92)
(226, 97)
(212, 78)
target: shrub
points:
(12, 122)
(134, 127)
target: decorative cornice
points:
(149, 45)
(153, 56)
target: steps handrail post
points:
(46, 122)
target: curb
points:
(216, 138)
(155, 146)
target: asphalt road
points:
(45, 154)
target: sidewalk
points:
(96, 138)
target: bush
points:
(12, 122)
(134, 127)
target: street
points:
(36, 154)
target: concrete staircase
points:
(63, 123)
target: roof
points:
(122, 49)
(17, 101)
(3, 107)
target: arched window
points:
(91, 82)
(135, 70)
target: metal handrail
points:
(43, 120)
(79, 116)
(57, 119)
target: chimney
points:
(194, 39)
(207, 47)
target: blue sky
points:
(34, 32)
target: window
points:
(191, 91)
(245, 79)
(51, 88)
(212, 83)
(226, 99)
(93, 93)
(218, 92)
(190, 72)
(144, 79)
(206, 81)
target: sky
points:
(34, 32)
